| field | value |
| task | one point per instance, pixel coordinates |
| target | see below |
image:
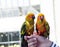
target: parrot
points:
(42, 26)
(27, 28)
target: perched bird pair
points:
(42, 27)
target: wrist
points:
(48, 43)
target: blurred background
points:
(12, 15)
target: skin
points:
(37, 41)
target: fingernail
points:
(25, 37)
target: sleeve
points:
(54, 45)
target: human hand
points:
(37, 41)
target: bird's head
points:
(30, 16)
(41, 16)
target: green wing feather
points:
(23, 33)
(46, 34)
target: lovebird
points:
(27, 28)
(42, 26)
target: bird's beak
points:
(42, 17)
(33, 17)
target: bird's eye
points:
(40, 16)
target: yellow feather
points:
(22, 32)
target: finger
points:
(32, 43)
(28, 37)
(31, 40)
